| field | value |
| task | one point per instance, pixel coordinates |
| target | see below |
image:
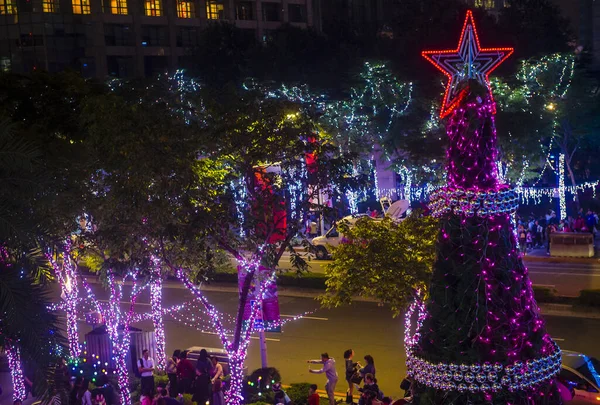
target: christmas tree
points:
(481, 338)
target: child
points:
(313, 397)
(529, 240)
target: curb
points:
(550, 259)
(567, 311)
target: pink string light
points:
(157, 313)
(113, 318)
(13, 355)
(66, 275)
(236, 352)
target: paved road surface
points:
(567, 278)
(364, 327)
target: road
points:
(567, 278)
(364, 327)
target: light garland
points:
(411, 339)
(470, 202)
(68, 280)
(13, 355)
(561, 187)
(485, 377)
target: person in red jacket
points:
(185, 373)
(313, 397)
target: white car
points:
(579, 373)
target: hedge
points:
(589, 298)
(307, 280)
(544, 294)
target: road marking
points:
(565, 274)
(558, 339)
(128, 303)
(251, 337)
(314, 318)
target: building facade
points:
(126, 38)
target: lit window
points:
(81, 7)
(118, 7)
(214, 10)
(153, 8)
(50, 6)
(8, 6)
(185, 9)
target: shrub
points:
(590, 298)
(187, 399)
(307, 280)
(544, 294)
(258, 385)
(298, 393)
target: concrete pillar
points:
(171, 13)
(285, 15)
(230, 11)
(137, 10)
(259, 20)
(98, 41)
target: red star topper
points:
(468, 61)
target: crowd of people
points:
(355, 374)
(204, 380)
(535, 233)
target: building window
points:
(486, 4)
(271, 11)
(153, 8)
(50, 6)
(297, 13)
(154, 35)
(214, 10)
(8, 6)
(118, 35)
(118, 7)
(244, 10)
(81, 6)
(187, 37)
(185, 9)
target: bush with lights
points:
(258, 386)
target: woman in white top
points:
(217, 369)
(84, 395)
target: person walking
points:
(146, 369)
(329, 370)
(172, 373)
(351, 371)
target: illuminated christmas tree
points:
(480, 338)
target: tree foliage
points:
(382, 260)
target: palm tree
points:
(25, 317)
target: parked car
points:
(321, 245)
(579, 373)
(220, 354)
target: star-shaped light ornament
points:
(468, 61)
